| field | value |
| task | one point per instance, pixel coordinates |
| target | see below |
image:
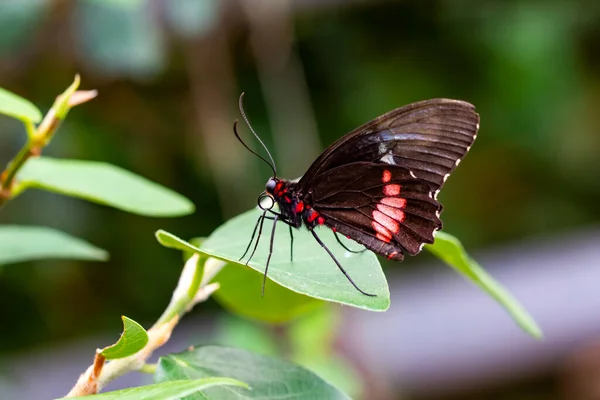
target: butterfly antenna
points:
(272, 163)
(237, 135)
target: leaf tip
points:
(534, 330)
(82, 96)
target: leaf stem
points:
(191, 290)
(8, 176)
(38, 138)
(187, 287)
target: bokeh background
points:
(524, 202)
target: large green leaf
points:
(269, 378)
(240, 286)
(311, 273)
(17, 107)
(240, 293)
(173, 390)
(23, 243)
(449, 249)
(242, 333)
(132, 340)
(103, 183)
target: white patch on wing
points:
(412, 174)
(388, 159)
(382, 148)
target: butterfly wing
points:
(384, 207)
(428, 138)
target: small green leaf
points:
(102, 183)
(270, 378)
(312, 272)
(132, 340)
(25, 243)
(18, 107)
(172, 390)
(61, 105)
(449, 249)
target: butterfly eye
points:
(271, 184)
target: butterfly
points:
(377, 185)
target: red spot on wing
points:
(392, 255)
(388, 222)
(334, 230)
(383, 233)
(320, 220)
(387, 176)
(391, 212)
(383, 238)
(299, 207)
(394, 202)
(391, 190)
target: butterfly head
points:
(271, 186)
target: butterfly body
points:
(378, 184)
(295, 209)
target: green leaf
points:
(240, 289)
(449, 249)
(25, 243)
(241, 333)
(173, 390)
(132, 340)
(312, 272)
(240, 286)
(335, 369)
(269, 378)
(17, 107)
(102, 183)
(312, 345)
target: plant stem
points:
(38, 138)
(148, 368)
(15, 165)
(187, 287)
(190, 290)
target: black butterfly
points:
(378, 184)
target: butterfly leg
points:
(270, 254)
(339, 265)
(253, 234)
(345, 247)
(262, 220)
(291, 244)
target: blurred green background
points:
(169, 74)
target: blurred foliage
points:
(530, 67)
